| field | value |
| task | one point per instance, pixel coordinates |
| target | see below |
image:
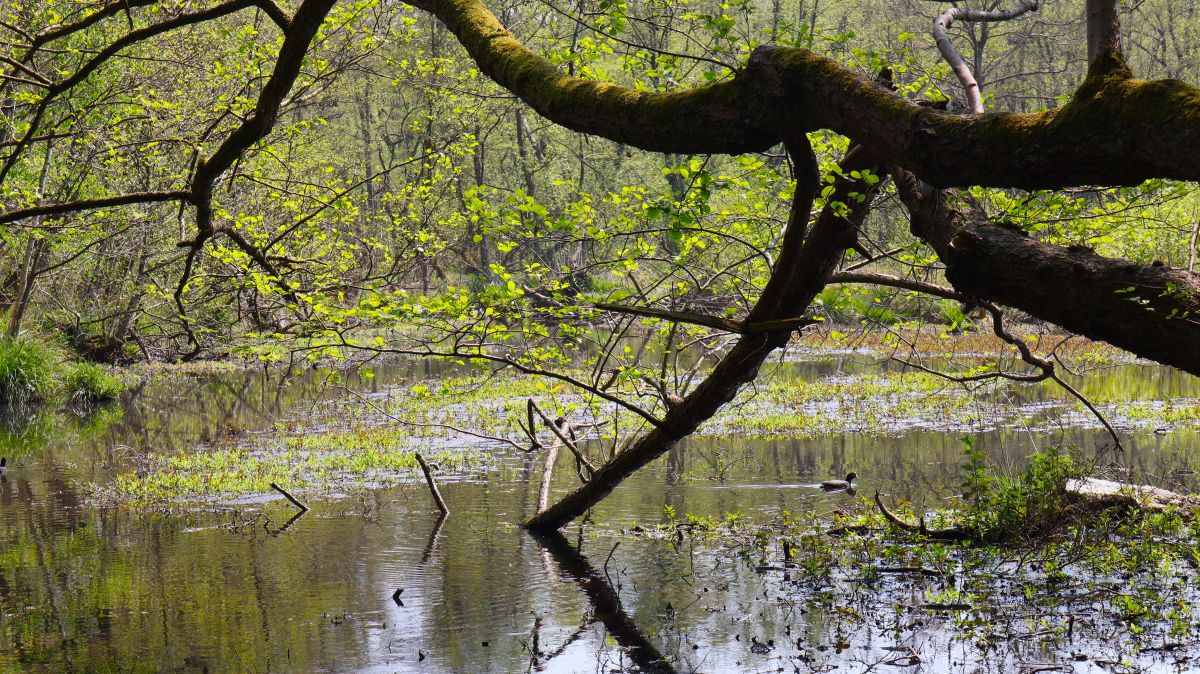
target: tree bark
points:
(1103, 29)
(1150, 310)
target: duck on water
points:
(840, 485)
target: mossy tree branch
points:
(1148, 127)
(1150, 310)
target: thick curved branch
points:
(1150, 128)
(103, 56)
(51, 33)
(297, 38)
(962, 71)
(299, 35)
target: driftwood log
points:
(1107, 494)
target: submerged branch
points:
(433, 488)
(950, 534)
(303, 508)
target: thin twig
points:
(563, 437)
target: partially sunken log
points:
(1108, 494)
(951, 534)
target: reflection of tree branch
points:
(286, 525)
(431, 545)
(606, 603)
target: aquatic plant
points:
(1007, 507)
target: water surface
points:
(250, 589)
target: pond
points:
(247, 586)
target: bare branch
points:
(717, 322)
(92, 204)
(961, 70)
(558, 431)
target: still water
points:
(247, 588)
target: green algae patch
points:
(312, 464)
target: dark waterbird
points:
(3, 467)
(840, 485)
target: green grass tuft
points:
(88, 382)
(27, 370)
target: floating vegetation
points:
(1041, 567)
(370, 439)
(313, 465)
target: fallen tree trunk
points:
(804, 267)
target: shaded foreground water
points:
(245, 588)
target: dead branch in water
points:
(547, 475)
(950, 534)
(303, 508)
(433, 489)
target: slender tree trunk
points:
(523, 152)
(1103, 28)
(33, 251)
(24, 287)
(364, 121)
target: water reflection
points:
(260, 589)
(605, 605)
